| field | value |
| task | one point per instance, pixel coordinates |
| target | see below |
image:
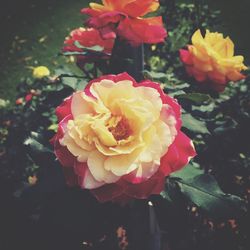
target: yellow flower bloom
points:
(211, 59)
(40, 72)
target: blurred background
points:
(33, 31)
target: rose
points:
(120, 139)
(211, 60)
(40, 72)
(124, 19)
(87, 38)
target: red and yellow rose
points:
(210, 59)
(120, 139)
(124, 18)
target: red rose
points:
(88, 38)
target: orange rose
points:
(211, 59)
(124, 19)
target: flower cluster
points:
(124, 18)
(120, 139)
(211, 60)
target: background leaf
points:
(194, 125)
(197, 98)
(203, 191)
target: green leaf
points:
(74, 83)
(190, 171)
(225, 125)
(196, 97)
(95, 48)
(35, 145)
(70, 81)
(81, 85)
(194, 125)
(154, 75)
(176, 93)
(203, 191)
(38, 152)
(74, 53)
(204, 108)
(165, 195)
(177, 86)
(53, 127)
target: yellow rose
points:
(211, 59)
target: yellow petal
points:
(200, 53)
(81, 142)
(153, 147)
(96, 166)
(79, 105)
(109, 91)
(146, 170)
(89, 182)
(229, 47)
(197, 38)
(98, 7)
(212, 38)
(74, 149)
(103, 134)
(122, 164)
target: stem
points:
(86, 73)
(95, 70)
(67, 75)
(126, 58)
(198, 16)
(155, 233)
(198, 6)
(138, 62)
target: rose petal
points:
(107, 192)
(143, 190)
(96, 166)
(64, 109)
(185, 56)
(86, 179)
(178, 155)
(138, 31)
(70, 177)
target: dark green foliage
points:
(203, 191)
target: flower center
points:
(119, 128)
